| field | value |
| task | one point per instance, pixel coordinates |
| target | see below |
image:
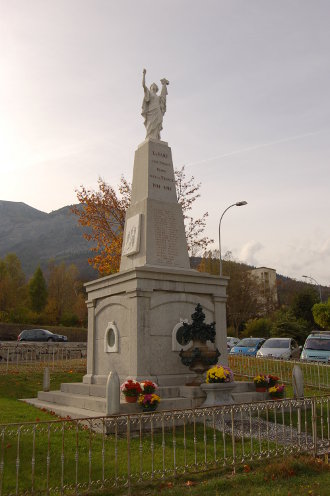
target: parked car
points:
(280, 348)
(247, 346)
(231, 342)
(40, 335)
(317, 347)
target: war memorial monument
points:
(134, 315)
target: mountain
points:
(36, 237)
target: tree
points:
(321, 314)
(287, 325)
(12, 283)
(187, 193)
(259, 328)
(63, 293)
(303, 303)
(103, 213)
(243, 290)
(38, 291)
(243, 301)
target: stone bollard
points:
(46, 380)
(297, 382)
(112, 394)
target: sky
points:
(248, 111)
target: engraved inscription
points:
(159, 154)
(166, 236)
(161, 172)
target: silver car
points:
(231, 342)
(285, 348)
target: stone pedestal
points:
(218, 393)
(145, 305)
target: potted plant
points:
(219, 373)
(219, 385)
(148, 387)
(131, 390)
(149, 402)
(261, 382)
(277, 392)
(199, 356)
(272, 380)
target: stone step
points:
(99, 390)
(175, 403)
(96, 425)
(84, 389)
(243, 387)
(61, 410)
(249, 397)
(168, 391)
(86, 402)
(97, 404)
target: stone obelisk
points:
(154, 229)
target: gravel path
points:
(258, 428)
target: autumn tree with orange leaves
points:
(103, 212)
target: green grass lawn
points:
(66, 453)
(26, 385)
(296, 475)
(78, 455)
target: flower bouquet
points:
(276, 392)
(148, 387)
(261, 382)
(272, 380)
(131, 390)
(219, 373)
(149, 402)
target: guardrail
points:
(74, 456)
(15, 357)
(316, 374)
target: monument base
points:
(78, 400)
(134, 317)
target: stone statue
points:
(154, 107)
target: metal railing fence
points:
(316, 374)
(25, 357)
(74, 456)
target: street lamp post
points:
(319, 285)
(237, 204)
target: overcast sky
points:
(248, 111)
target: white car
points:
(231, 342)
(285, 348)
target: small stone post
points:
(46, 380)
(297, 382)
(112, 394)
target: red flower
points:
(131, 388)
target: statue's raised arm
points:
(144, 80)
(154, 107)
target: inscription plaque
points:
(131, 243)
(166, 236)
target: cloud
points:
(305, 256)
(248, 252)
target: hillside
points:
(36, 237)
